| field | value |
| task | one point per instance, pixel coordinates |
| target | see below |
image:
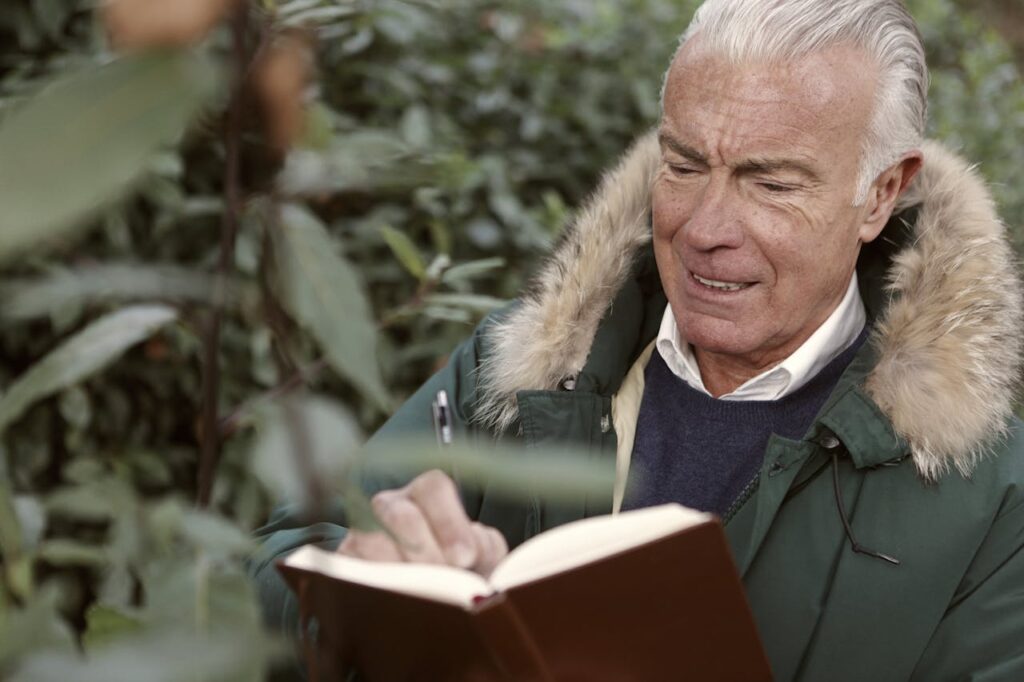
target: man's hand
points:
(427, 519)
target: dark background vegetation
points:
(445, 143)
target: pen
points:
(442, 414)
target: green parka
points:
(916, 444)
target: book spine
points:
(509, 640)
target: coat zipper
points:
(741, 500)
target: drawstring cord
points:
(857, 547)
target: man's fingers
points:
(493, 548)
(404, 519)
(427, 524)
(436, 495)
(375, 546)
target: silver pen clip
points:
(442, 418)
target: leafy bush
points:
(444, 141)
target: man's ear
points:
(886, 189)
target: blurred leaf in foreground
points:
(102, 283)
(332, 438)
(156, 657)
(56, 168)
(282, 74)
(85, 353)
(142, 24)
(365, 160)
(561, 474)
(32, 627)
(324, 294)
(105, 624)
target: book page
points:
(439, 583)
(581, 542)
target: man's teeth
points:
(724, 286)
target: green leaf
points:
(150, 469)
(84, 469)
(20, 576)
(215, 535)
(97, 500)
(323, 293)
(476, 302)
(105, 623)
(35, 626)
(415, 126)
(472, 270)
(80, 142)
(318, 127)
(65, 552)
(11, 533)
(359, 510)
(75, 407)
(364, 160)
(103, 283)
(82, 355)
(295, 6)
(406, 252)
(167, 656)
(319, 16)
(198, 591)
(437, 312)
(555, 474)
(332, 438)
(31, 518)
(441, 236)
(92, 501)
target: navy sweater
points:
(703, 452)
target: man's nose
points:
(716, 219)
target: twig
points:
(301, 377)
(209, 433)
(410, 307)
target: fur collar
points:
(949, 342)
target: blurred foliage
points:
(444, 142)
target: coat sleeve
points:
(981, 636)
(288, 529)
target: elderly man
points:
(787, 308)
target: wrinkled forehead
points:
(834, 69)
(824, 95)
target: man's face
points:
(755, 232)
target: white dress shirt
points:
(834, 336)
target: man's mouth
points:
(721, 286)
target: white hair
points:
(771, 30)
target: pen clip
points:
(442, 415)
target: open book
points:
(649, 594)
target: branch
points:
(302, 377)
(209, 434)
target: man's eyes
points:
(682, 171)
(775, 188)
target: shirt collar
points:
(834, 336)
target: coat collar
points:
(947, 336)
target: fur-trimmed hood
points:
(948, 343)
